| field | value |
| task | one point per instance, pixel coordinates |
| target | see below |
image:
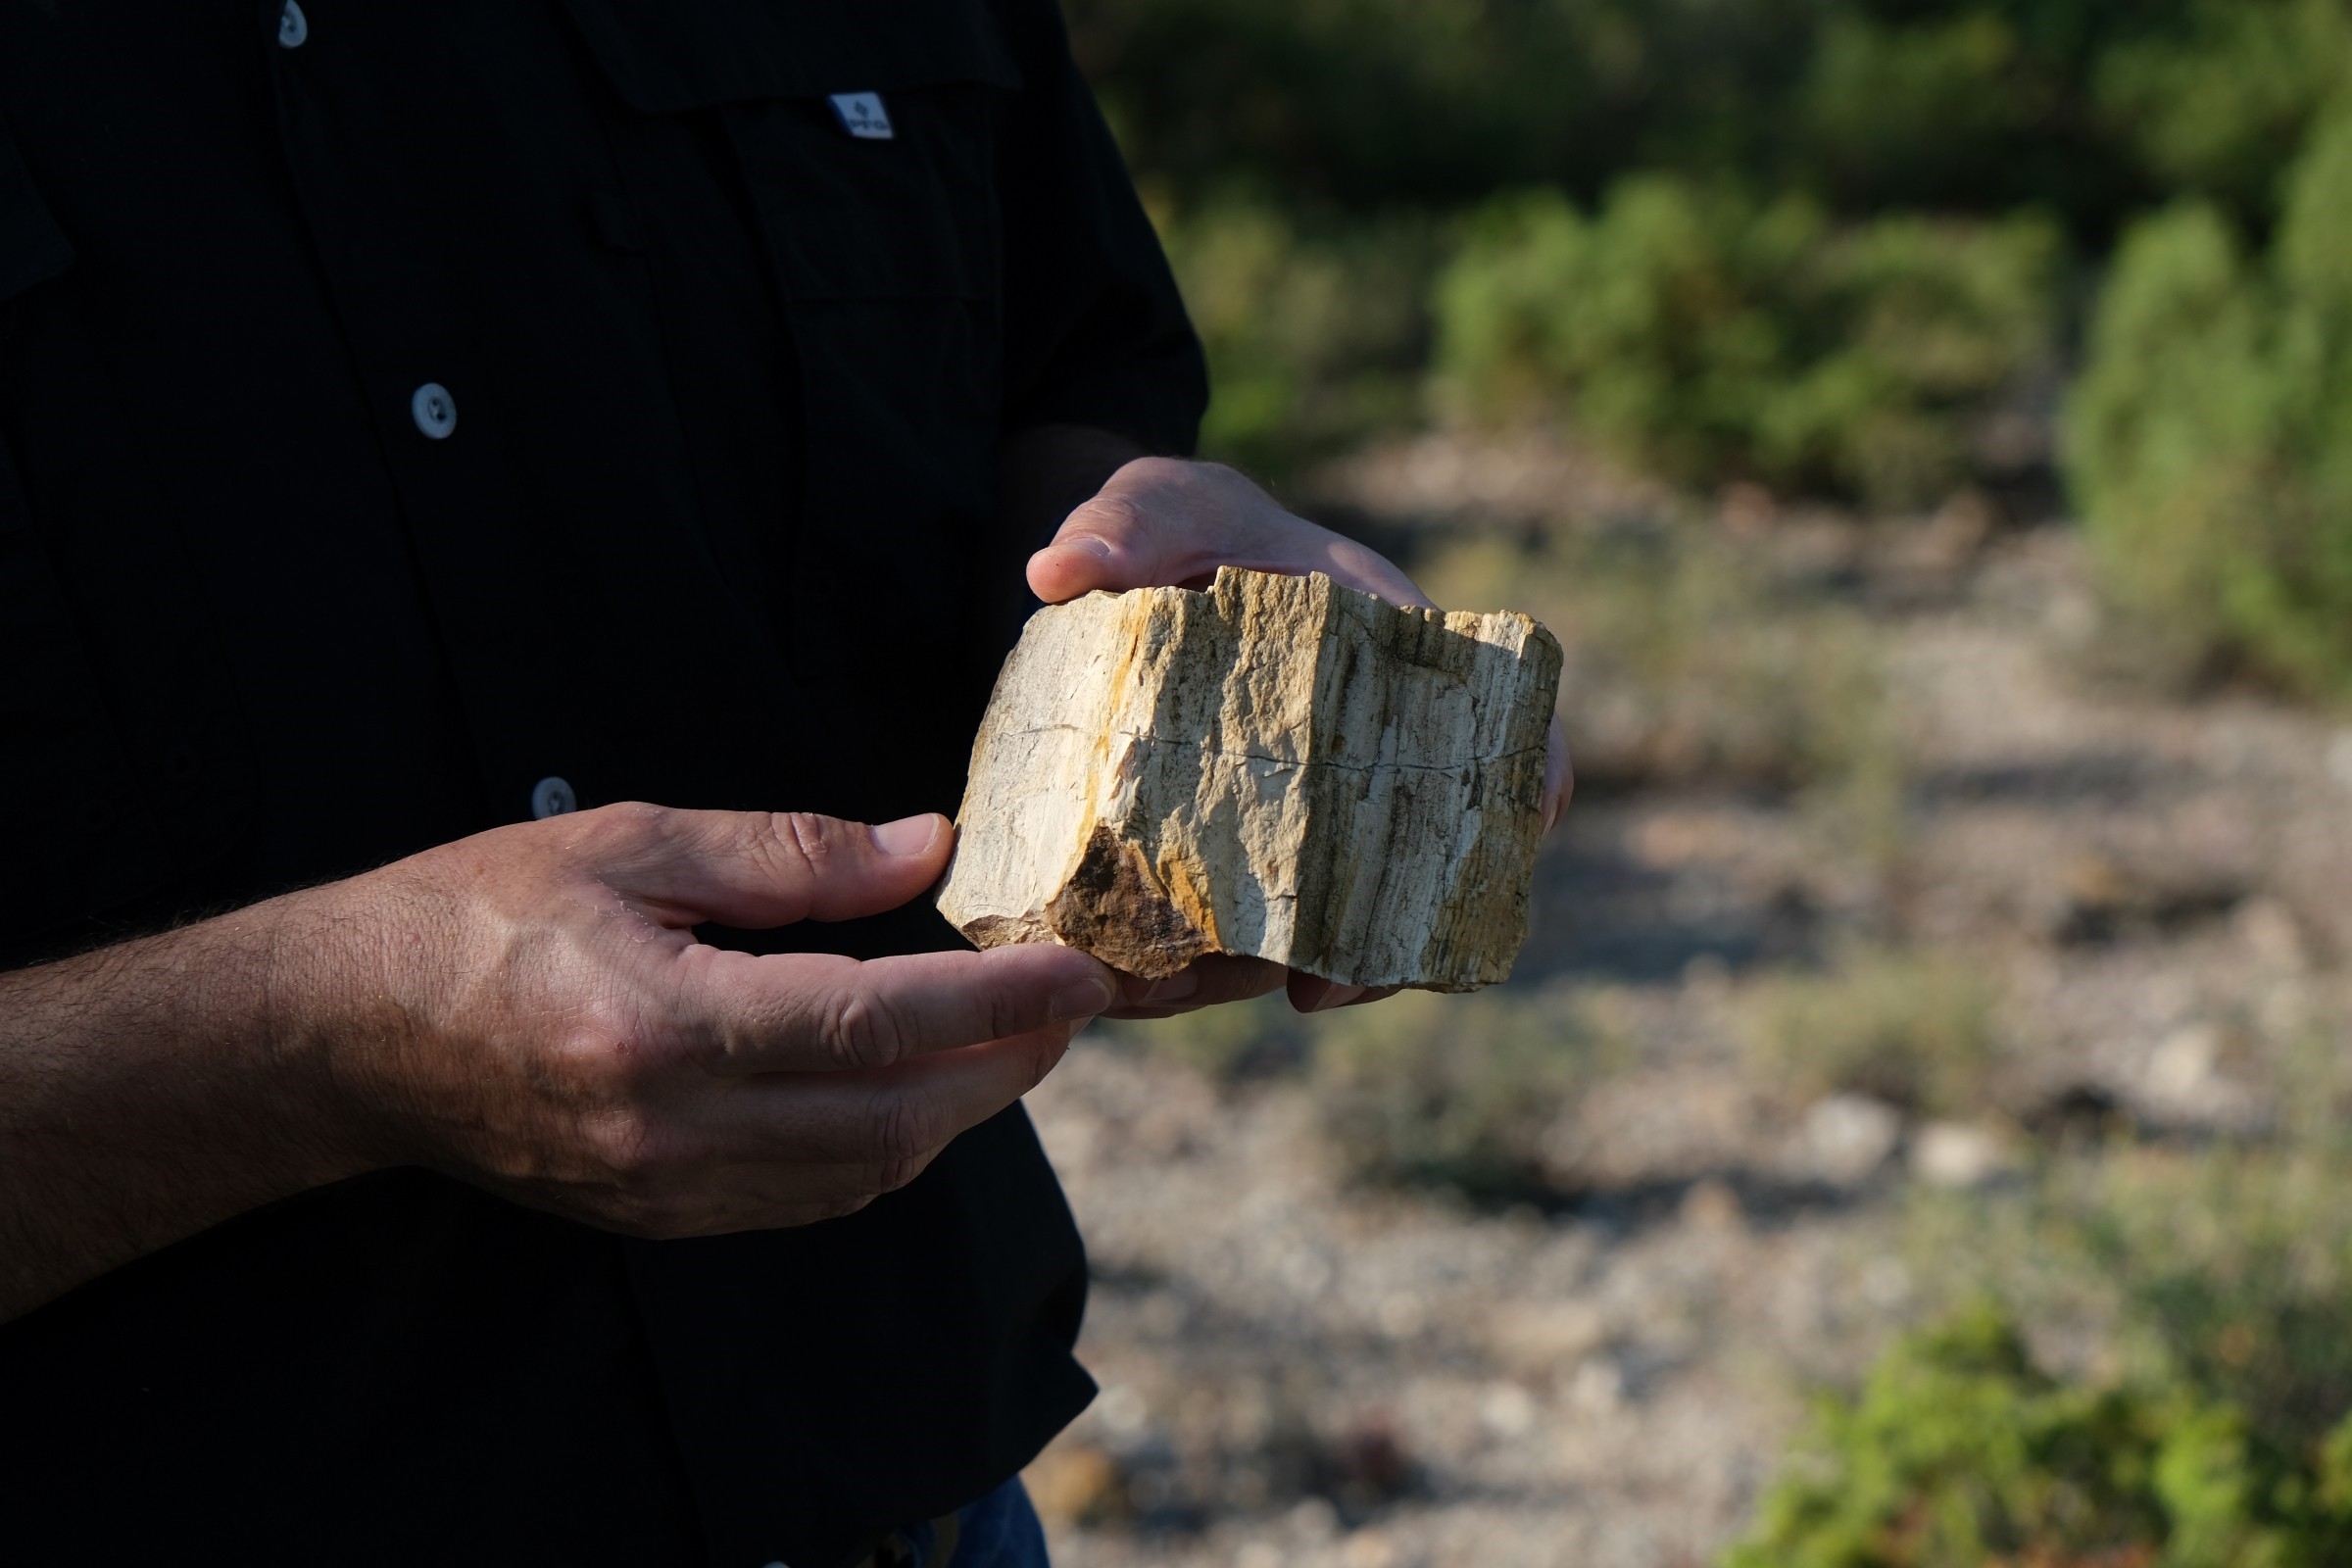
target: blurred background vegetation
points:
(1937, 270)
(1850, 248)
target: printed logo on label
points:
(862, 116)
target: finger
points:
(751, 1195)
(821, 1012)
(1160, 522)
(1204, 983)
(889, 1116)
(768, 869)
(1310, 993)
(1559, 777)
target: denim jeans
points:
(999, 1531)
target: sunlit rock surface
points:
(1279, 766)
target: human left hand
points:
(1164, 522)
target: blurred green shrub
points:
(2216, 96)
(1916, 1029)
(1363, 104)
(2229, 1268)
(1959, 1453)
(1419, 1089)
(1972, 106)
(1453, 1092)
(1709, 336)
(1316, 337)
(1690, 660)
(2210, 438)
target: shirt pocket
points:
(122, 761)
(905, 210)
(886, 254)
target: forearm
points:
(152, 1088)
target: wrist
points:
(309, 1019)
(152, 1088)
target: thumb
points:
(1116, 542)
(759, 869)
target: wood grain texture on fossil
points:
(1279, 766)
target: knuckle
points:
(635, 1148)
(1115, 511)
(627, 822)
(861, 1029)
(606, 1055)
(804, 835)
(905, 1127)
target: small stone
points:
(2182, 1065)
(1848, 1137)
(1313, 1519)
(1123, 1410)
(1507, 1411)
(1958, 1155)
(1537, 1338)
(1599, 1385)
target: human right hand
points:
(535, 1015)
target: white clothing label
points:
(862, 116)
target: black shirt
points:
(403, 402)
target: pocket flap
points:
(33, 248)
(666, 56)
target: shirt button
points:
(292, 26)
(553, 797)
(434, 409)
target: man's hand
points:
(527, 1009)
(1160, 522)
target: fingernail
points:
(1081, 999)
(1175, 988)
(1337, 997)
(908, 835)
(1099, 549)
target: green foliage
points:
(1965, 105)
(1958, 1453)
(1915, 1029)
(1361, 104)
(2219, 102)
(1709, 336)
(1315, 338)
(2208, 435)
(2230, 1269)
(1800, 240)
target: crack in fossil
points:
(1277, 761)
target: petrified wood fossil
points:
(1278, 766)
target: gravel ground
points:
(1299, 1371)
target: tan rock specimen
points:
(1279, 766)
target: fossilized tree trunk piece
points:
(1279, 766)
